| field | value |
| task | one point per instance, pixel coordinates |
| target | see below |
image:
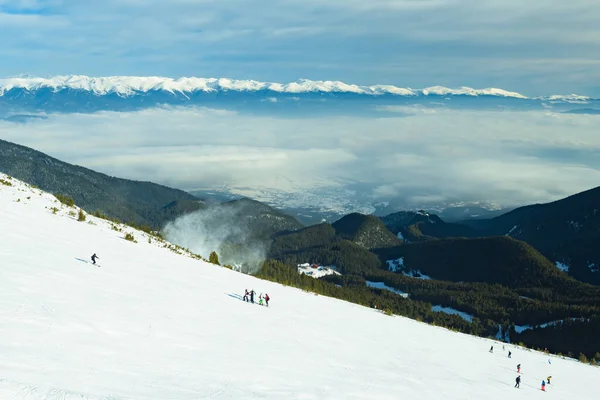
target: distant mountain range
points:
(131, 85)
(125, 93)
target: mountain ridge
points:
(132, 85)
(367, 231)
(566, 231)
(143, 203)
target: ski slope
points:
(153, 324)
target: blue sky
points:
(533, 47)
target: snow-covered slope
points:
(153, 324)
(130, 85)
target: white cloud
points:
(505, 157)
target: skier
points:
(260, 300)
(543, 385)
(519, 368)
(246, 295)
(503, 348)
(492, 349)
(518, 380)
(548, 379)
(509, 353)
(267, 298)
(252, 293)
(94, 256)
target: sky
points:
(535, 48)
(427, 156)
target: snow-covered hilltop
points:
(132, 85)
(153, 322)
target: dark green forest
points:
(501, 282)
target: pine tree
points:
(213, 258)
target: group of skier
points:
(518, 379)
(249, 296)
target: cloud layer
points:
(511, 44)
(511, 158)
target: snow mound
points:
(155, 323)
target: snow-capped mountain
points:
(153, 323)
(131, 85)
(75, 93)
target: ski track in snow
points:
(154, 325)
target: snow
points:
(317, 272)
(130, 85)
(571, 98)
(512, 230)
(395, 265)
(562, 266)
(521, 328)
(400, 236)
(443, 91)
(381, 285)
(450, 310)
(415, 273)
(151, 324)
(502, 336)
